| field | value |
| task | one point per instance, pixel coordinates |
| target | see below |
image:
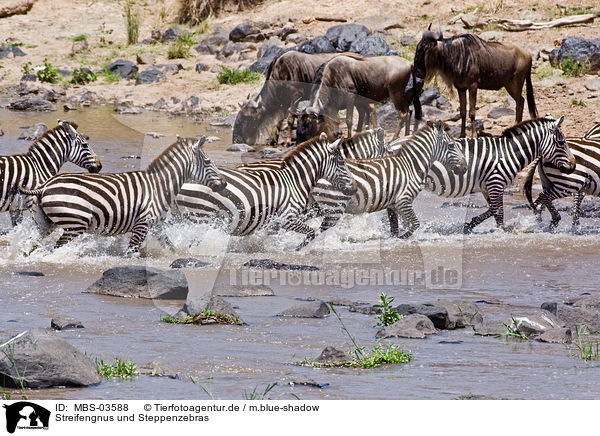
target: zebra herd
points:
(361, 174)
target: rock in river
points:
(415, 326)
(313, 309)
(39, 359)
(141, 282)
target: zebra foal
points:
(113, 204)
(584, 180)
(45, 157)
(253, 197)
(493, 162)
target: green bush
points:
(233, 76)
(573, 68)
(81, 76)
(47, 72)
(123, 369)
(386, 315)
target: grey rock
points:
(578, 49)
(489, 327)
(32, 104)
(206, 49)
(271, 264)
(157, 368)
(146, 59)
(10, 51)
(575, 317)
(270, 54)
(320, 44)
(556, 335)
(270, 152)
(65, 322)
(155, 135)
(331, 354)
(343, 36)
(200, 67)
(407, 40)
(124, 68)
(433, 113)
(461, 313)
(150, 75)
(437, 314)
(414, 326)
(535, 324)
(33, 132)
(39, 359)
(587, 301)
(141, 282)
(492, 35)
(550, 82)
(593, 85)
(171, 34)
(500, 112)
(429, 95)
(218, 38)
(127, 107)
(296, 38)
(240, 147)
(196, 304)
(188, 262)
(244, 291)
(313, 309)
(28, 78)
(372, 45)
(245, 32)
(190, 103)
(365, 309)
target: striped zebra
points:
(43, 160)
(493, 162)
(584, 180)
(392, 182)
(252, 198)
(113, 204)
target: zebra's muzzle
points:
(568, 169)
(460, 168)
(218, 185)
(96, 167)
(349, 189)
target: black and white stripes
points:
(43, 160)
(112, 204)
(493, 162)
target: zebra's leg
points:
(468, 228)
(577, 199)
(159, 232)
(330, 220)
(140, 231)
(409, 218)
(69, 234)
(462, 98)
(393, 218)
(296, 225)
(546, 198)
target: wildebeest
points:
(351, 81)
(469, 63)
(288, 78)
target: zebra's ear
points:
(69, 128)
(380, 135)
(335, 145)
(197, 145)
(559, 122)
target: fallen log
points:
(521, 25)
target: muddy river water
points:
(522, 268)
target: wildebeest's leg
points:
(362, 115)
(349, 116)
(140, 230)
(473, 109)
(407, 123)
(462, 98)
(373, 122)
(515, 88)
(577, 199)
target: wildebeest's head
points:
(428, 41)
(311, 124)
(246, 128)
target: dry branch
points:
(521, 25)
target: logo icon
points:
(26, 415)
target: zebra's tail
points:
(530, 99)
(529, 183)
(32, 192)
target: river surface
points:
(518, 270)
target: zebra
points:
(493, 162)
(584, 180)
(253, 197)
(45, 157)
(118, 203)
(392, 182)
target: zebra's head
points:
(448, 151)
(79, 151)
(203, 169)
(336, 171)
(554, 148)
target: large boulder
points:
(8, 51)
(12, 7)
(141, 282)
(196, 304)
(270, 54)
(32, 104)
(372, 45)
(343, 36)
(578, 49)
(312, 309)
(33, 132)
(124, 68)
(574, 317)
(460, 313)
(437, 314)
(245, 32)
(39, 359)
(414, 326)
(150, 75)
(320, 44)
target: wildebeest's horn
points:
(429, 28)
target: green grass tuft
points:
(574, 68)
(133, 22)
(234, 76)
(542, 71)
(80, 37)
(386, 314)
(122, 369)
(512, 332)
(587, 345)
(82, 77)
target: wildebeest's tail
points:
(530, 99)
(529, 182)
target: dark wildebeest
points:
(352, 81)
(467, 62)
(288, 78)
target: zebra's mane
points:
(299, 149)
(517, 128)
(159, 161)
(49, 132)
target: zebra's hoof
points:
(404, 235)
(467, 229)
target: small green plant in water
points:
(233, 76)
(254, 395)
(386, 315)
(206, 317)
(122, 369)
(47, 72)
(9, 353)
(81, 76)
(513, 332)
(587, 345)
